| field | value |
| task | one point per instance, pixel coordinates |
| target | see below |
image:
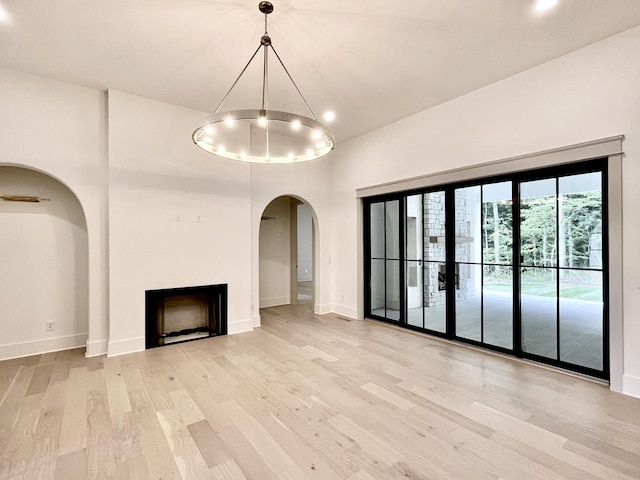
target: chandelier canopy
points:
(262, 135)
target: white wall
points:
(132, 165)
(305, 243)
(60, 129)
(308, 182)
(589, 94)
(178, 216)
(44, 258)
(275, 254)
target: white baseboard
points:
(257, 321)
(274, 301)
(631, 385)
(97, 348)
(240, 326)
(43, 345)
(122, 347)
(322, 309)
(132, 345)
(345, 311)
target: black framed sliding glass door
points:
(484, 264)
(425, 261)
(384, 262)
(515, 263)
(561, 273)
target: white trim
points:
(44, 345)
(240, 326)
(616, 316)
(275, 301)
(343, 311)
(257, 321)
(631, 385)
(97, 348)
(122, 347)
(322, 309)
(605, 147)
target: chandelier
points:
(262, 135)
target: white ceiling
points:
(371, 61)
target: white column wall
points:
(310, 182)
(589, 94)
(60, 129)
(178, 216)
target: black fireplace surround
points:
(210, 300)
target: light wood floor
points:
(310, 397)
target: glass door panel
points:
(581, 318)
(539, 311)
(384, 270)
(413, 260)
(435, 256)
(467, 276)
(484, 260)
(561, 278)
(376, 230)
(377, 288)
(581, 286)
(538, 223)
(497, 261)
(538, 275)
(497, 306)
(469, 302)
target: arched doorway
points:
(44, 253)
(287, 231)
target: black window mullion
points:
(422, 262)
(384, 222)
(482, 233)
(517, 267)
(402, 257)
(450, 264)
(558, 206)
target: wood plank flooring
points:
(310, 397)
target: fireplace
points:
(182, 314)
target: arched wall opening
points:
(287, 252)
(44, 286)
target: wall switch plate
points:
(50, 326)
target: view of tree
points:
(577, 223)
(579, 215)
(497, 234)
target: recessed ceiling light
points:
(543, 5)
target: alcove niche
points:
(44, 258)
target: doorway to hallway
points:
(287, 246)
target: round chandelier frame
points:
(262, 135)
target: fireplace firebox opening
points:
(182, 314)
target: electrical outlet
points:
(50, 326)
